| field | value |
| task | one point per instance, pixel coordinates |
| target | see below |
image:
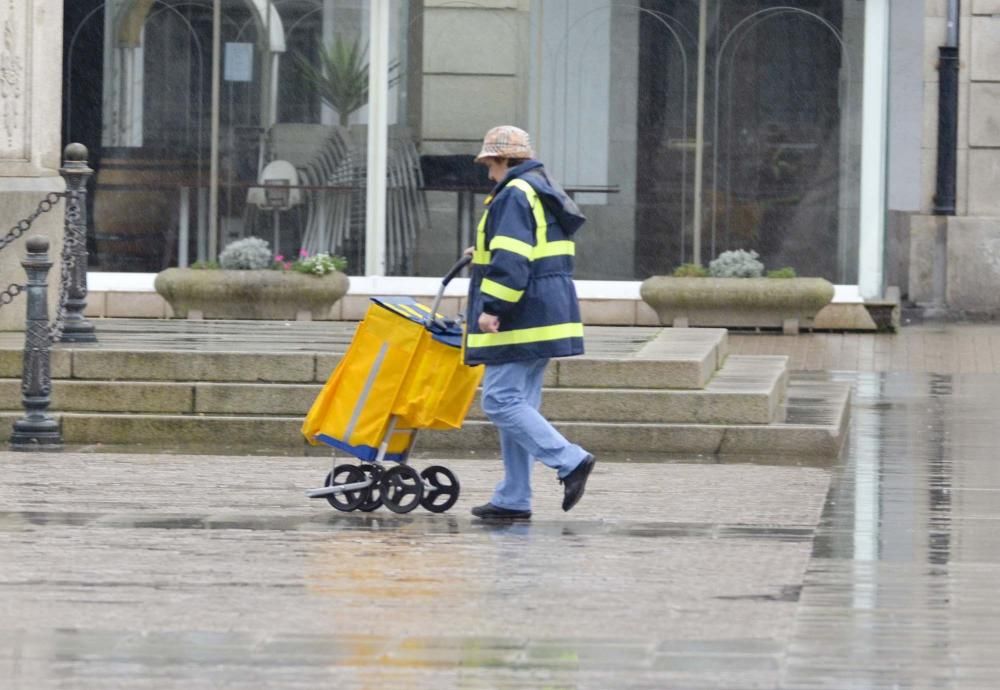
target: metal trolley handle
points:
(452, 272)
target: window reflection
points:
(607, 89)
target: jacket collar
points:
(514, 173)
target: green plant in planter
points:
(341, 78)
(255, 285)
(735, 294)
(318, 264)
(690, 271)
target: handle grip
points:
(453, 271)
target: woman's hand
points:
(488, 323)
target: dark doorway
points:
(773, 120)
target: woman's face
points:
(497, 168)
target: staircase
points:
(244, 386)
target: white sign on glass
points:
(239, 62)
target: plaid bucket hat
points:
(506, 141)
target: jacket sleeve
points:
(510, 242)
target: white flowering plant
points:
(319, 264)
(737, 263)
(247, 254)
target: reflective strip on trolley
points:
(526, 335)
(363, 398)
(491, 287)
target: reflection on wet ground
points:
(899, 589)
(162, 571)
(418, 526)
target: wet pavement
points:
(168, 571)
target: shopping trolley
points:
(402, 372)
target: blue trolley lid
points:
(444, 330)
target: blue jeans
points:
(512, 393)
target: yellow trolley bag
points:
(352, 411)
(402, 372)
(438, 388)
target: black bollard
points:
(75, 327)
(37, 430)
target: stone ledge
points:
(595, 312)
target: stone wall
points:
(30, 107)
(969, 242)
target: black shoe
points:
(576, 481)
(492, 512)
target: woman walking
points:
(522, 311)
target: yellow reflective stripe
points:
(410, 311)
(541, 225)
(491, 287)
(542, 249)
(512, 245)
(524, 187)
(526, 335)
(559, 248)
(481, 255)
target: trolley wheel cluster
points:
(399, 488)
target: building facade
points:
(29, 136)
(805, 131)
(954, 261)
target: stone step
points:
(814, 425)
(746, 390)
(672, 359)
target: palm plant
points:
(341, 79)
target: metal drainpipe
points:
(947, 161)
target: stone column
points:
(973, 241)
(970, 240)
(30, 111)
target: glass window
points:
(765, 156)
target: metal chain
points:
(70, 242)
(12, 291)
(23, 225)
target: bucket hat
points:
(506, 141)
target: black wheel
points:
(443, 491)
(373, 494)
(402, 489)
(345, 500)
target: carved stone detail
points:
(12, 79)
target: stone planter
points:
(785, 303)
(266, 294)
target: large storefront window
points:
(683, 128)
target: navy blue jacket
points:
(522, 272)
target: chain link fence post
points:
(37, 430)
(71, 325)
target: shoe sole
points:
(501, 518)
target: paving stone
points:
(231, 577)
